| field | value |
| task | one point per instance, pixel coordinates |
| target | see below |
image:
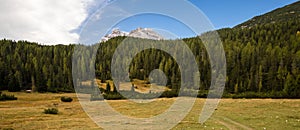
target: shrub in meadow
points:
(4, 97)
(51, 111)
(66, 99)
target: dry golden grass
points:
(27, 113)
(141, 110)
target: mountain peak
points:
(114, 33)
(144, 33)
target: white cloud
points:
(43, 21)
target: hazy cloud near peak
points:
(43, 21)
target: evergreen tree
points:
(108, 88)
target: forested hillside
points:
(289, 12)
(262, 58)
(25, 65)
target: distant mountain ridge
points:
(286, 13)
(145, 33)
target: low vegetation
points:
(4, 97)
(53, 111)
(193, 93)
(66, 99)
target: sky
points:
(62, 21)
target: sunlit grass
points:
(27, 113)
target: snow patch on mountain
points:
(145, 33)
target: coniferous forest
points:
(263, 58)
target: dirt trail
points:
(232, 125)
(229, 126)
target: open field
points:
(27, 113)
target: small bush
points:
(251, 95)
(202, 94)
(130, 95)
(66, 99)
(4, 97)
(169, 94)
(113, 96)
(8, 129)
(51, 111)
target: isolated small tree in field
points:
(115, 89)
(108, 88)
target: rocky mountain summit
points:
(145, 33)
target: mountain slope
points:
(114, 33)
(144, 33)
(289, 12)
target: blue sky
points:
(228, 13)
(221, 14)
(61, 21)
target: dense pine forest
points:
(263, 58)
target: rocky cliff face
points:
(145, 33)
(114, 33)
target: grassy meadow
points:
(27, 113)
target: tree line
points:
(30, 66)
(260, 59)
